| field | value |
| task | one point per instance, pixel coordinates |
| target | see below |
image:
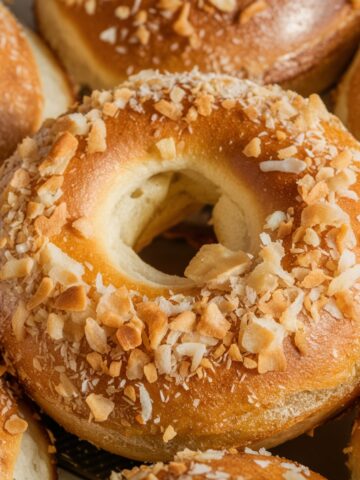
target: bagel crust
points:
(211, 464)
(32, 84)
(260, 341)
(303, 44)
(21, 100)
(347, 106)
(24, 444)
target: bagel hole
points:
(161, 220)
(171, 251)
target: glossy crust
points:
(304, 45)
(32, 85)
(217, 464)
(21, 459)
(253, 363)
(348, 98)
(21, 99)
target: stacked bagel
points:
(33, 86)
(304, 45)
(259, 340)
(24, 445)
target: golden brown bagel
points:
(32, 85)
(222, 465)
(259, 342)
(347, 106)
(304, 44)
(24, 445)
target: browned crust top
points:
(268, 40)
(254, 333)
(20, 99)
(211, 464)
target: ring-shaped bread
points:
(260, 341)
(211, 464)
(24, 444)
(304, 44)
(347, 106)
(32, 85)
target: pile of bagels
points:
(188, 104)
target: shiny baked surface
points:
(218, 464)
(305, 44)
(258, 343)
(21, 100)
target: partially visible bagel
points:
(347, 106)
(32, 84)
(221, 465)
(304, 44)
(24, 444)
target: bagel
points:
(219, 464)
(304, 45)
(259, 341)
(32, 85)
(24, 445)
(347, 105)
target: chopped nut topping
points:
(184, 322)
(100, 407)
(42, 293)
(129, 391)
(143, 34)
(216, 263)
(15, 425)
(95, 336)
(253, 148)
(96, 140)
(156, 321)
(122, 12)
(163, 359)
(114, 308)
(234, 353)
(66, 388)
(18, 321)
(129, 334)
(170, 110)
(287, 152)
(182, 26)
(73, 299)
(204, 103)
(55, 326)
(224, 5)
(194, 350)
(60, 155)
(253, 9)
(136, 363)
(167, 148)
(49, 227)
(213, 323)
(169, 434)
(314, 279)
(16, 268)
(20, 179)
(150, 373)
